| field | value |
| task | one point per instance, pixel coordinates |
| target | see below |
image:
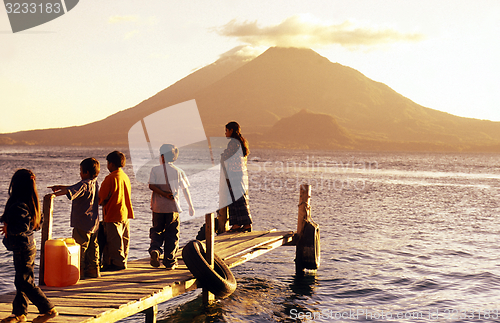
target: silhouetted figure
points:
(233, 189)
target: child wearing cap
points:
(166, 181)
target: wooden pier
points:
(140, 288)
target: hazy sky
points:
(106, 56)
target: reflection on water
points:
(255, 300)
(304, 283)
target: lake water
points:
(405, 237)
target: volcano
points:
(264, 92)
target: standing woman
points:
(233, 190)
(22, 216)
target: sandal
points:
(13, 318)
(46, 316)
(241, 229)
(246, 229)
(235, 229)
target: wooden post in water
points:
(151, 314)
(208, 297)
(304, 207)
(307, 252)
(48, 208)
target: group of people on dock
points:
(22, 216)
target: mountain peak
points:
(293, 55)
(283, 51)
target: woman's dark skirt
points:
(239, 211)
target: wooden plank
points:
(111, 286)
(239, 236)
(6, 307)
(65, 319)
(136, 307)
(242, 248)
(159, 275)
(92, 295)
(66, 314)
(234, 240)
(103, 303)
(235, 261)
(77, 311)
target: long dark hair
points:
(236, 134)
(22, 188)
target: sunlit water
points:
(404, 237)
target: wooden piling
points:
(48, 208)
(222, 220)
(307, 252)
(151, 314)
(304, 207)
(208, 297)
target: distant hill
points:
(306, 129)
(265, 96)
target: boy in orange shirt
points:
(115, 198)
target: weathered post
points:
(222, 220)
(304, 207)
(48, 208)
(151, 314)
(307, 252)
(208, 297)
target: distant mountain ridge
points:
(353, 111)
(306, 129)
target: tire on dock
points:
(219, 281)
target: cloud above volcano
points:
(306, 31)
